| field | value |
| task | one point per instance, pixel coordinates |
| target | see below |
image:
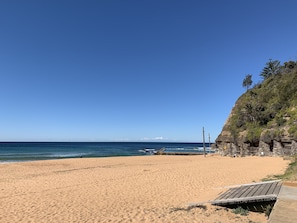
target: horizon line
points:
(133, 141)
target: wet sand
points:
(127, 189)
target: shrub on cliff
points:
(269, 105)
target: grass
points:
(268, 210)
(290, 173)
(241, 211)
(189, 208)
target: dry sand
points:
(127, 189)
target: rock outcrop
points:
(263, 120)
(284, 145)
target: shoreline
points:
(129, 188)
(31, 151)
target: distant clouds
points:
(157, 138)
(154, 138)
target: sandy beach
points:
(127, 189)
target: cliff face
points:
(271, 145)
(264, 119)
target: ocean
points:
(30, 151)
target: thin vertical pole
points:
(203, 142)
(208, 140)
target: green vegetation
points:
(265, 109)
(265, 208)
(247, 82)
(272, 68)
(272, 134)
(241, 211)
(268, 209)
(291, 172)
(293, 131)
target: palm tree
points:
(272, 67)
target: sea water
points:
(29, 151)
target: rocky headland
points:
(263, 120)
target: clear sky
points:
(131, 70)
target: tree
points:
(289, 66)
(247, 82)
(272, 67)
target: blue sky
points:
(155, 70)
